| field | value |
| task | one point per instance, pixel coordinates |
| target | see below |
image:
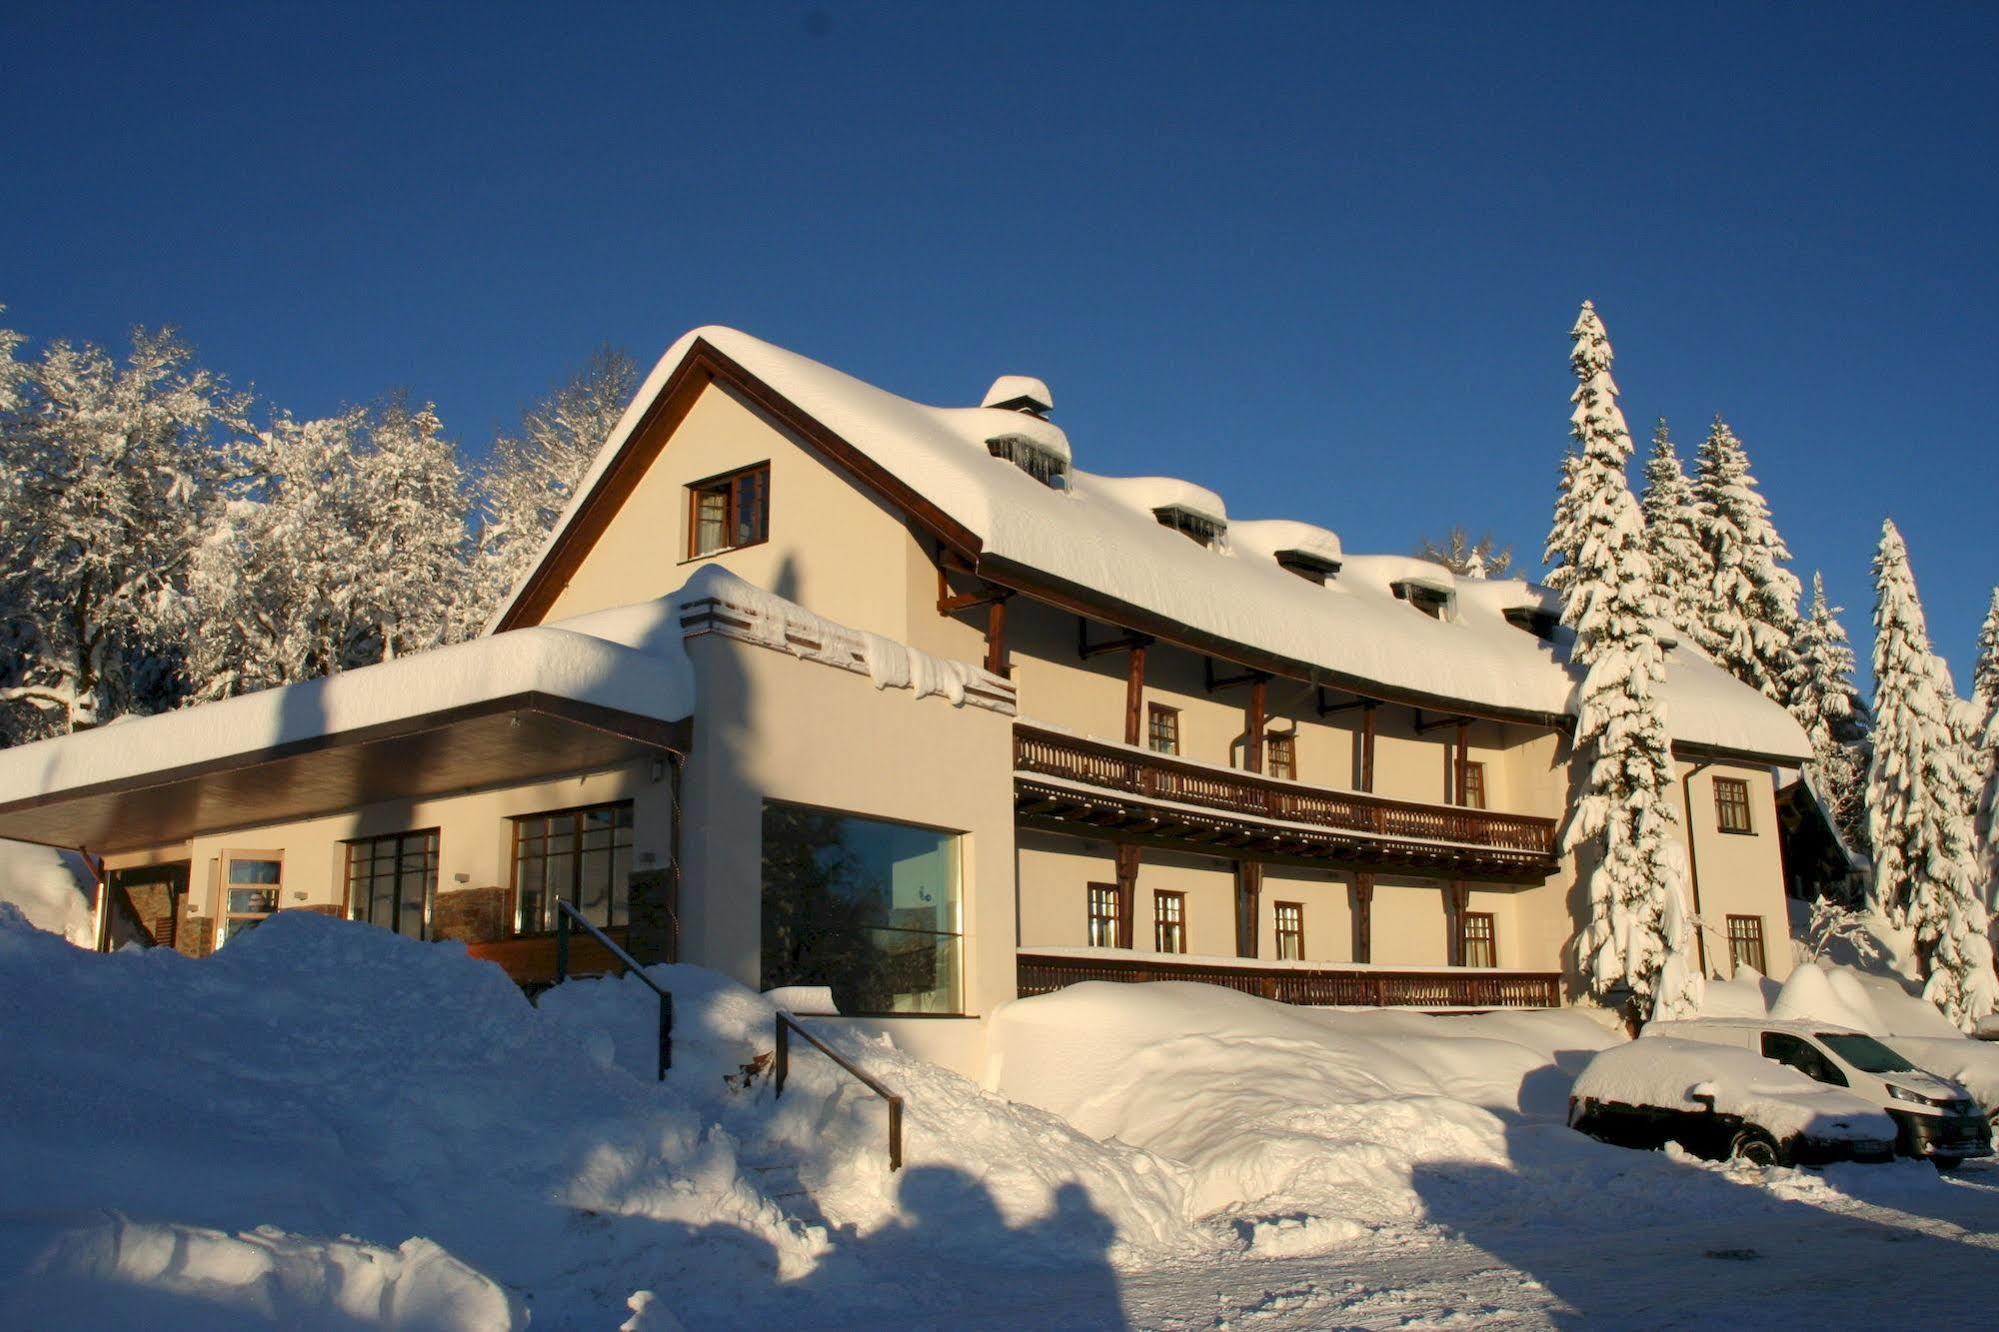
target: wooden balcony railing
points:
(1163, 777)
(1349, 987)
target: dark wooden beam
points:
(1126, 860)
(1256, 718)
(1215, 684)
(1367, 748)
(997, 660)
(1463, 761)
(1423, 727)
(1326, 709)
(1085, 649)
(1363, 916)
(1248, 908)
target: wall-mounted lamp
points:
(658, 769)
(461, 877)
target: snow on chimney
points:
(1020, 393)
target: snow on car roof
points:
(1099, 533)
(1668, 1073)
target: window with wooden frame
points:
(1280, 755)
(1745, 944)
(1731, 804)
(1162, 728)
(579, 856)
(1473, 796)
(392, 881)
(1290, 932)
(1169, 922)
(728, 512)
(252, 884)
(1481, 940)
(1103, 915)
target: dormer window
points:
(1196, 527)
(1311, 568)
(1433, 602)
(1539, 623)
(1044, 465)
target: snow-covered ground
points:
(327, 1126)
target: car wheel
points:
(1753, 1147)
(1946, 1164)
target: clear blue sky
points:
(1321, 258)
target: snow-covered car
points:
(1936, 1119)
(1723, 1103)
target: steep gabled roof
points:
(1095, 546)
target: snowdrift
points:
(50, 887)
(325, 1125)
(1282, 1111)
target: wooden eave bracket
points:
(1229, 681)
(1441, 722)
(1085, 649)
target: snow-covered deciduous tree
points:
(1827, 704)
(1640, 934)
(1919, 796)
(271, 601)
(532, 474)
(410, 566)
(1672, 537)
(111, 473)
(1483, 558)
(1749, 612)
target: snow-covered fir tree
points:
(532, 474)
(111, 477)
(1640, 934)
(1828, 705)
(1483, 558)
(1748, 616)
(1985, 754)
(1920, 789)
(1672, 536)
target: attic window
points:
(1429, 600)
(1539, 623)
(1196, 527)
(1044, 465)
(1311, 568)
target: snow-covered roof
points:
(1100, 533)
(638, 675)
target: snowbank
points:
(1278, 1110)
(324, 1115)
(50, 887)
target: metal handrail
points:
(786, 1024)
(564, 913)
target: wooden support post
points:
(1463, 762)
(1248, 906)
(1363, 917)
(1134, 695)
(996, 654)
(1367, 747)
(1252, 750)
(1127, 891)
(1457, 898)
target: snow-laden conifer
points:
(532, 473)
(1749, 613)
(1672, 538)
(1919, 796)
(1985, 698)
(1640, 934)
(1828, 705)
(112, 473)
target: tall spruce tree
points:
(1828, 705)
(1749, 607)
(1919, 796)
(1672, 536)
(1985, 697)
(1640, 934)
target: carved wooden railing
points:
(1162, 777)
(1044, 973)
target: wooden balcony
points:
(1074, 784)
(1330, 986)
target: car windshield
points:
(1866, 1054)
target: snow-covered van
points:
(1936, 1119)
(1723, 1103)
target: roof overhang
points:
(495, 742)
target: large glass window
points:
(251, 892)
(392, 881)
(867, 907)
(579, 856)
